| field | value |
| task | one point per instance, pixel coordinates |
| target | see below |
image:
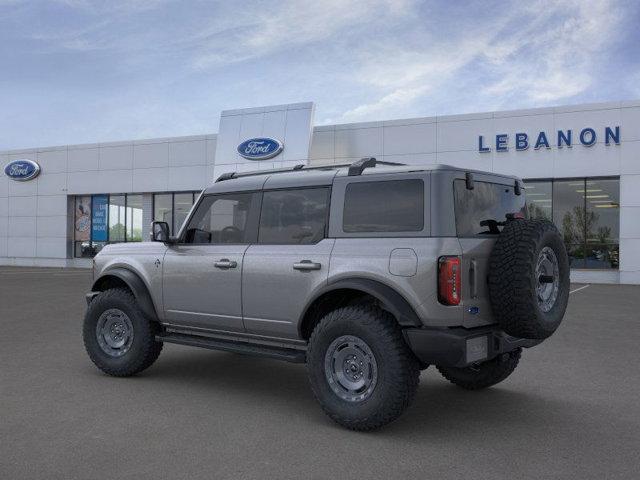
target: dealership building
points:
(581, 165)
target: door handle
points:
(307, 265)
(225, 263)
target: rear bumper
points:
(460, 347)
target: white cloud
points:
(286, 25)
(543, 51)
(161, 68)
(550, 61)
(398, 98)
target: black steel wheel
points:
(361, 370)
(118, 338)
(351, 368)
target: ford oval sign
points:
(260, 148)
(22, 170)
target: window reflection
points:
(587, 214)
(117, 218)
(134, 218)
(172, 208)
(539, 199)
(603, 223)
(163, 209)
(101, 219)
(182, 204)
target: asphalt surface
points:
(570, 410)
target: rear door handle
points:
(307, 265)
(225, 263)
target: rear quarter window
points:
(384, 206)
(483, 210)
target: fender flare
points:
(135, 284)
(390, 299)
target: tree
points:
(116, 232)
(577, 225)
(536, 212)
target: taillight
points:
(449, 280)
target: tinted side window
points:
(388, 206)
(293, 216)
(481, 210)
(220, 219)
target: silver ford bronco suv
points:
(367, 272)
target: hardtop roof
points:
(317, 175)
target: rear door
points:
(479, 214)
(289, 261)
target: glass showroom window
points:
(587, 213)
(163, 208)
(102, 219)
(569, 217)
(182, 203)
(173, 208)
(117, 218)
(602, 223)
(134, 218)
(539, 198)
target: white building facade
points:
(581, 165)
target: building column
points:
(147, 215)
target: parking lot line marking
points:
(579, 288)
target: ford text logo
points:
(260, 148)
(22, 170)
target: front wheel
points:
(119, 339)
(483, 375)
(361, 371)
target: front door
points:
(202, 275)
(289, 261)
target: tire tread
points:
(150, 348)
(404, 368)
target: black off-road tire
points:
(144, 349)
(398, 371)
(485, 374)
(513, 279)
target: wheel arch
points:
(123, 277)
(348, 290)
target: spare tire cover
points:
(529, 278)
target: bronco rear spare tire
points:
(529, 278)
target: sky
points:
(80, 71)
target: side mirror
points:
(159, 232)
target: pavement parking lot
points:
(571, 409)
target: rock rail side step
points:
(286, 354)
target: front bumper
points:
(461, 347)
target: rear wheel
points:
(119, 339)
(360, 369)
(483, 375)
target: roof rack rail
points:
(230, 175)
(355, 168)
(226, 176)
